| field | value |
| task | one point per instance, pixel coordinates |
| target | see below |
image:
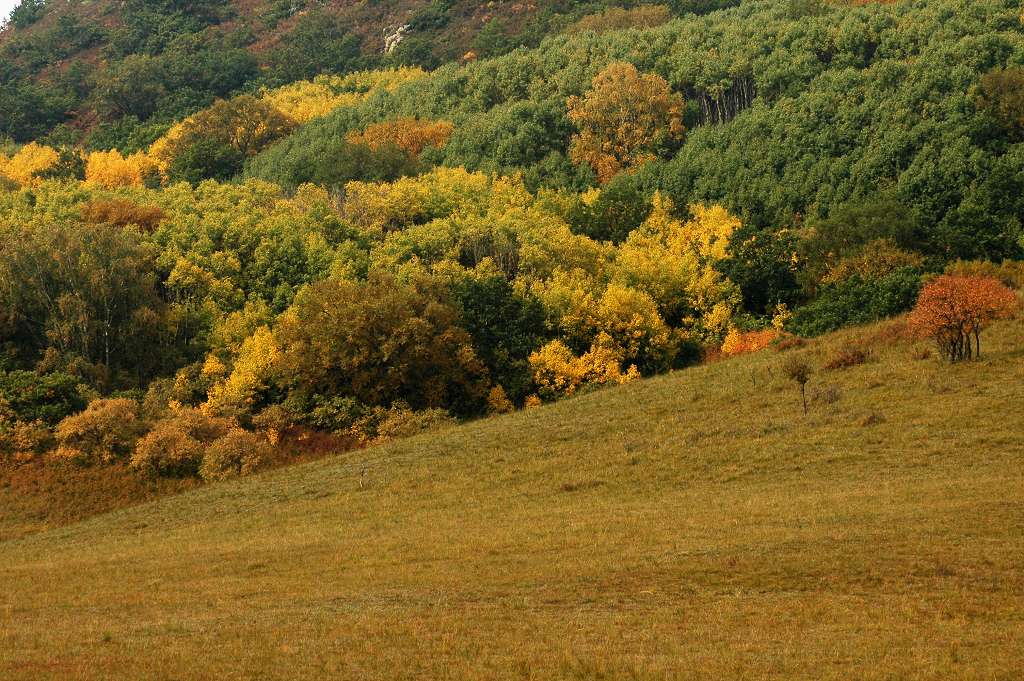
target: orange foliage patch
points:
(741, 342)
(121, 213)
(408, 134)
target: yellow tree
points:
(624, 119)
(110, 170)
(674, 262)
(26, 165)
(251, 373)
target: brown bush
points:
(24, 440)
(236, 453)
(848, 357)
(498, 402)
(742, 342)
(121, 213)
(176, 444)
(789, 343)
(107, 430)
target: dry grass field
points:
(696, 525)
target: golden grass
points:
(696, 525)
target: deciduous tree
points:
(625, 120)
(952, 311)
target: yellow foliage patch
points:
(110, 170)
(305, 100)
(559, 373)
(26, 165)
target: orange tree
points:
(624, 119)
(408, 134)
(953, 310)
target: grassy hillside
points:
(695, 525)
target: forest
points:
(207, 249)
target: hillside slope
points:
(66, 67)
(696, 525)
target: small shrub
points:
(798, 370)
(399, 421)
(273, 421)
(848, 357)
(236, 453)
(107, 430)
(176, 444)
(157, 400)
(25, 440)
(498, 402)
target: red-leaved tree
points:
(953, 310)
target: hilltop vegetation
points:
(116, 74)
(695, 525)
(371, 248)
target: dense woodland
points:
(214, 234)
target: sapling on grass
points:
(798, 369)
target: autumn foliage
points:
(742, 342)
(619, 19)
(624, 120)
(110, 170)
(952, 311)
(121, 213)
(28, 163)
(408, 134)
